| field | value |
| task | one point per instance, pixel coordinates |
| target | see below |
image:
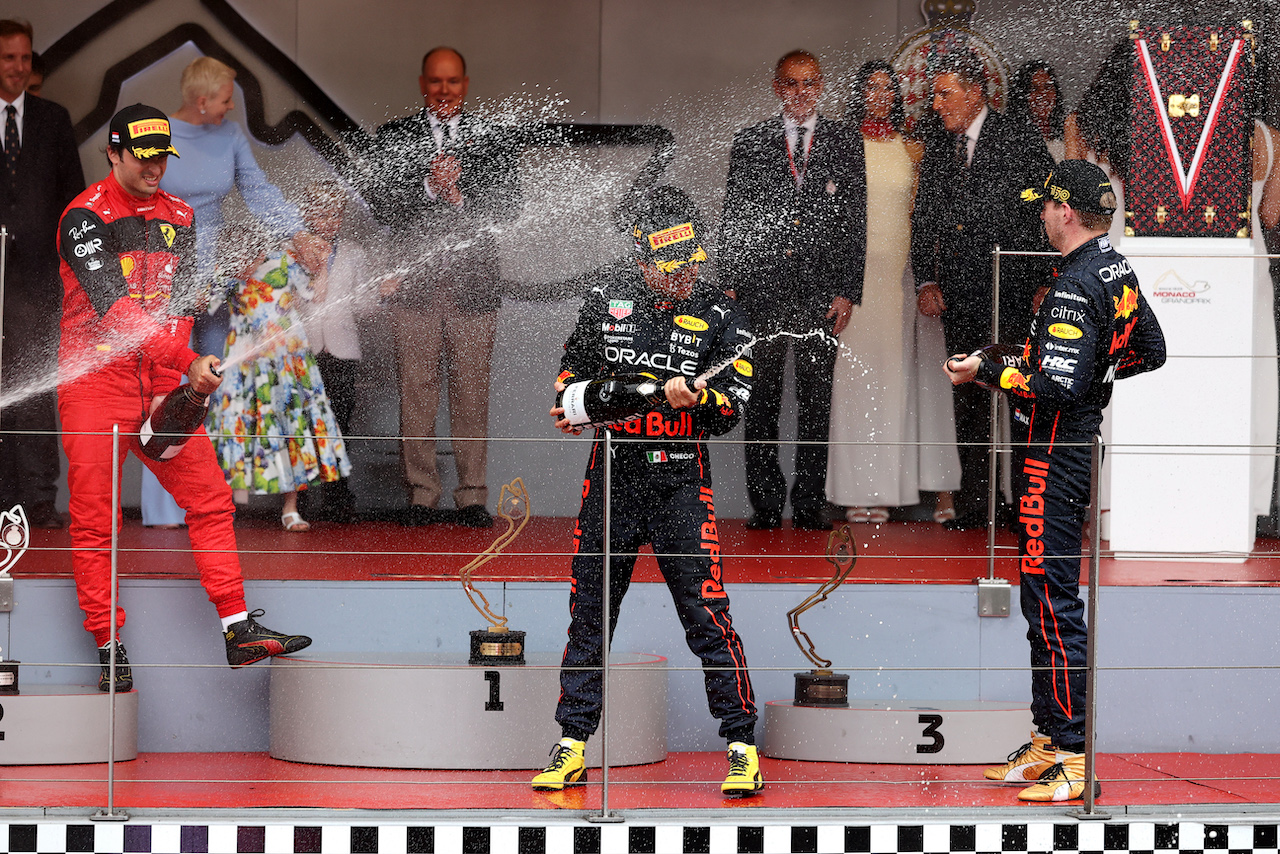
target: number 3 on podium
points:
(931, 730)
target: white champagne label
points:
(574, 402)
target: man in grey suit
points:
(444, 182)
(39, 176)
(792, 252)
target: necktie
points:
(11, 146)
(962, 150)
(801, 157)
(446, 134)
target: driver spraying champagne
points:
(127, 253)
(650, 315)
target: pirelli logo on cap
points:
(144, 127)
(668, 236)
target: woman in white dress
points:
(1266, 214)
(879, 407)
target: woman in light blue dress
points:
(215, 159)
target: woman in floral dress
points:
(271, 422)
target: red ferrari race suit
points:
(128, 295)
(661, 487)
(1094, 327)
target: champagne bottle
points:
(611, 400)
(165, 433)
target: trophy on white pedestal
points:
(15, 536)
(821, 686)
(498, 644)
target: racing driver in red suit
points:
(650, 314)
(128, 264)
(1093, 327)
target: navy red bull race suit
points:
(661, 487)
(129, 286)
(1093, 328)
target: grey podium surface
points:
(901, 732)
(424, 710)
(65, 725)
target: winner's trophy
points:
(498, 644)
(820, 686)
(15, 536)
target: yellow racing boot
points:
(744, 777)
(568, 767)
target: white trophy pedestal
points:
(898, 732)
(1180, 461)
(65, 725)
(424, 710)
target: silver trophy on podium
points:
(821, 686)
(498, 644)
(15, 536)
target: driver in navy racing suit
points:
(650, 314)
(1093, 327)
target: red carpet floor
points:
(894, 553)
(898, 553)
(683, 781)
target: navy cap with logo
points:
(667, 229)
(1078, 183)
(142, 130)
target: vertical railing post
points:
(607, 607)
(993, 486)
(1091, 655)
(110, 814)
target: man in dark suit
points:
(973, 170)
(444, 181)
(39, 176)
(792, 250)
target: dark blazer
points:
(49, 177)
(451, 252)
(962, 213)
(787, 252)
